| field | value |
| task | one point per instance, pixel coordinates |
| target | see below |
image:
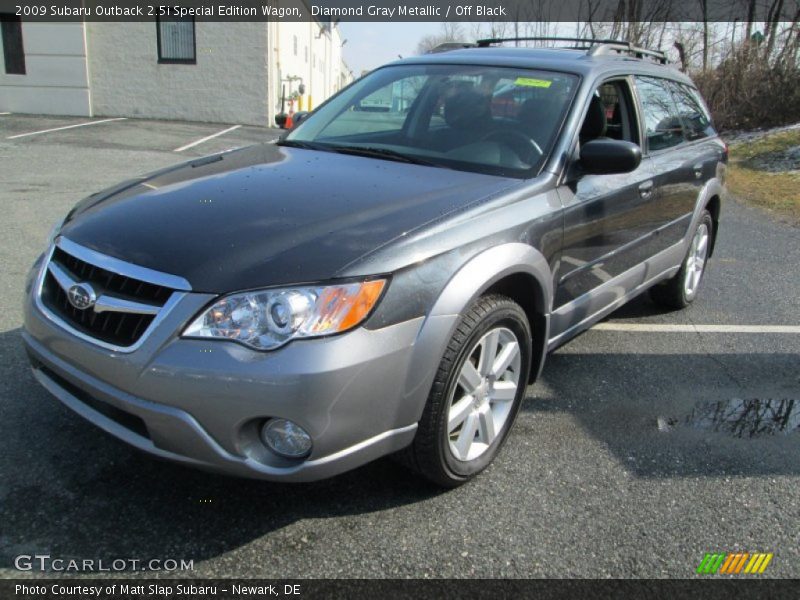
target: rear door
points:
(703, 150)
(678, 167)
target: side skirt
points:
(580, 314)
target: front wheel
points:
(681, 290)
(476, 394)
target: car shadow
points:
(70, 490)
(679, 415)
(637, 308)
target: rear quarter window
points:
(693, 113)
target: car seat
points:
(594, 125)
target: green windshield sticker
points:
(528, 82)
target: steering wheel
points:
(522, 145)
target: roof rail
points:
(593, 46)
(584, 41)
(630, 50)
(447, 46)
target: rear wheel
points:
(681, 290)
(476, 394)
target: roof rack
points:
(592, 46)
(447, 46)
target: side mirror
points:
(605, 157)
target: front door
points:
(605, 216)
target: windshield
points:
(493, 120)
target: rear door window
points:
(663, 125)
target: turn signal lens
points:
(343, 308)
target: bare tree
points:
(450, 32)
(704, 8)
(771, 25)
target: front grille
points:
(127, 420)
(118, 328)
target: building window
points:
(295, 45)
(13, 51)
(176, 40)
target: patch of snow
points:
(750, 135)
(774, 162)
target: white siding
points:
(321, 72)
(227, 85)
(237, 78)
(55, 82)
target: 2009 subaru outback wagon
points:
(390, 277)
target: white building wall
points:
(313, 54)
(238, 78)
(55, 82)
(227, 85)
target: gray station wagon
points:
(389, 278)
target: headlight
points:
(267, 319)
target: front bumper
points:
(201, 402)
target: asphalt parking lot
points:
(626, 460)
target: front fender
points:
(475, 277)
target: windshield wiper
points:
(372, 151)
(384, 153)
(304, 145)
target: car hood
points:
(269, 215)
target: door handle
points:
(698, 170)
(646, 189)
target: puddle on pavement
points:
(740, 418)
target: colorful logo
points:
(734, 563)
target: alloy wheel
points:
(696, 261)
(481, 401)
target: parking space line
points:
(665, 328)
(5, 113)
(21, 135)
(205, 139)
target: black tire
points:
(430, 454)
(673, 293)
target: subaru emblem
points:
(81, 296)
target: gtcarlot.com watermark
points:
(46, 562)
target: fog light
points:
(286, 438)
